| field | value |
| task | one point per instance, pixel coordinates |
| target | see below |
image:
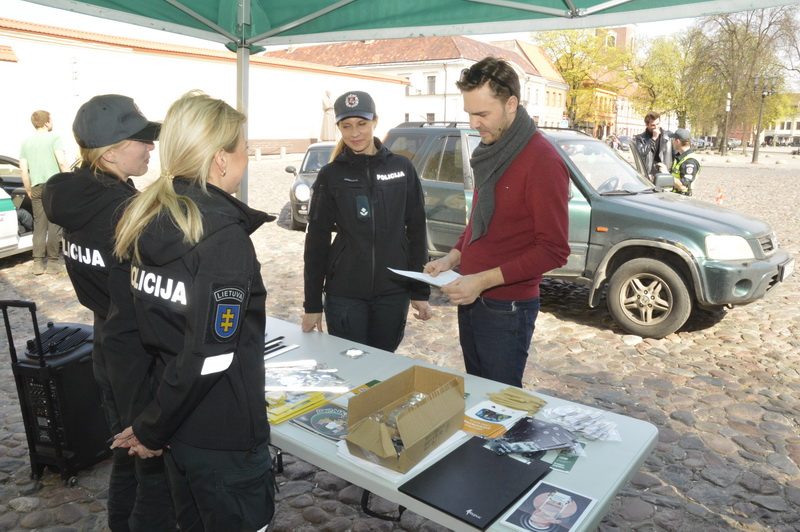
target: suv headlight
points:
(302, 192)
(728, 247)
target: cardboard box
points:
(422, 427)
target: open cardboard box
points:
(422, 427)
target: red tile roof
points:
(409, 50)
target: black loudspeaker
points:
(64, 421)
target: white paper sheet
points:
(440, 280)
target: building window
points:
(611, 39)
(431, 84)
(430, 117)
(797, 125)
(407, 118)
(407, 77)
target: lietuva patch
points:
(227, 310)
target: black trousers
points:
(138, 492)
(221, 491)
(378, 322)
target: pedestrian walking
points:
(42, 156)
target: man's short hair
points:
(499, 74)
(40, 118)
(651, 117)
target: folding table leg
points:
(365, 496)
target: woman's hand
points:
(128, 440)
(423, 310)
(311, 321)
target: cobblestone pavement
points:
(723, 391)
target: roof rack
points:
(555, 128)
(436, 124)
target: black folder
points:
(474, 484)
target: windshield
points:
(603, 168)
(315, 159)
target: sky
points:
(20, 10)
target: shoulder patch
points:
(226, 305)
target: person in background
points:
(517, 230)
(115, 142)
(653, 145)
(372, 199)
(685, 166)
(42, 156)
(199, 301)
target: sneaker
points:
(55, 266)
(38, 266)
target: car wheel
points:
(648, 298)
(297, 226)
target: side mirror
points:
(291, 170)
(663, 180)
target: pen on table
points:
(283, 349)
(273, 342)
(272, 348)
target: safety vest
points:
(676, 172)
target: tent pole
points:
(242, 94)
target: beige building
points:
(57, 69)
(786, 129)
(432, 66)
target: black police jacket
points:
(86, 205)
(374, 204)
(202, 308)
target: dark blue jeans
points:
(495, 336)
(378, 322)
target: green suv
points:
(657, 254)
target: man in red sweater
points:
(518, 229)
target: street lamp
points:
(767, 88)
(723, 148)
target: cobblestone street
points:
(724, 391)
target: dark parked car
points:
(625, 142)
(655, 254)
(317, 156)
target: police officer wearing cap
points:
(199, 301)
(372, 199)
(115, 142)
(685, 166)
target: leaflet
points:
(440, 280)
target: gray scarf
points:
(490, 161)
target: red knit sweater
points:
(528, 232)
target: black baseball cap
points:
(110, 118)
(682, 134)
(354, 103)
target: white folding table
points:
(600, 474)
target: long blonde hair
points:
(195, 128)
